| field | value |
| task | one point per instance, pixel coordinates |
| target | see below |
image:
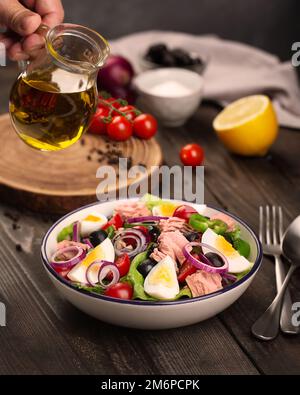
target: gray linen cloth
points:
(234, 70)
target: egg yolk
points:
(167, 210)
(161, 276)
(224, 246)
(92, 218)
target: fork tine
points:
(261, 223)
(280, 218)
(268, 234)
(274, 223)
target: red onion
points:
(79, 255)
(135, 234)
(204, 264)
(145, 219)
(117, 72)
(105, 269)
(76, 232)
(88, 243)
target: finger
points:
(33, 42)
(16, 52)
(51, 11)
(6, 40)
(18, 18)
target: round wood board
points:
(58, 182)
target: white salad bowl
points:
(146, 314)
(171, 108)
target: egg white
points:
(87, 227)
(104, 251)
(159, 287)
(237, 263)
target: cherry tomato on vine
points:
(130, 112)
(98, 126)
(145, 126)
(120, 129)
(192, 155)
(120, 291)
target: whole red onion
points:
(116, 73)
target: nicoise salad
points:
(152, 250)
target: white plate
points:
(144, 314)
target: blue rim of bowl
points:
(253, 270)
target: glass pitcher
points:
(55, 96)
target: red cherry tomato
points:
(184, 212)
(123, 264)
(120, 291)
(145, 126)
(116, 221)
(120, 129)
(192, 155)
(98, 126)
(185, 270)
(130, 112)
(114, 102)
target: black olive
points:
(156, 52)
(154, 232)
(97, 237)
(182, 57)
(146, 266)
(191, 236)
(215, 259)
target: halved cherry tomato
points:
(130, 112)
(185, 270)
(123, 264)
(192, 155)
(145, 126)
(116, 221)
(97, 125)
(120, 129)
(184, 212)
(120, 291)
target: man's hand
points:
(22, 19)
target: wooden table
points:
(45, 334)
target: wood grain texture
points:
(58, 182)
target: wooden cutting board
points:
(58, 182)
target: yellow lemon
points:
(248, 126)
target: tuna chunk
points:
(203, 283)
(132, 209)
(68, 243)
(173, 223)
(170, 243)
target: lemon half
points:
(248, 126)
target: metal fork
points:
(270, 236)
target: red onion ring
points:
(76, 232)
(135, 234)
(88, 243)
(145, 219)
(99, 264)
(103, 272)
(68, 264)
(204, 264)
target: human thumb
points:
(18, 18)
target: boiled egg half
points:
(161, 282)
(91, 223)
(104, 251)
(237, 263)
(165, 209)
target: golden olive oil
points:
(47, 119)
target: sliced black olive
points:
(97, 237)
(154, 232)
(146, 266)
(214, 259)
(191, 236)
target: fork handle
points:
(286, 312)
